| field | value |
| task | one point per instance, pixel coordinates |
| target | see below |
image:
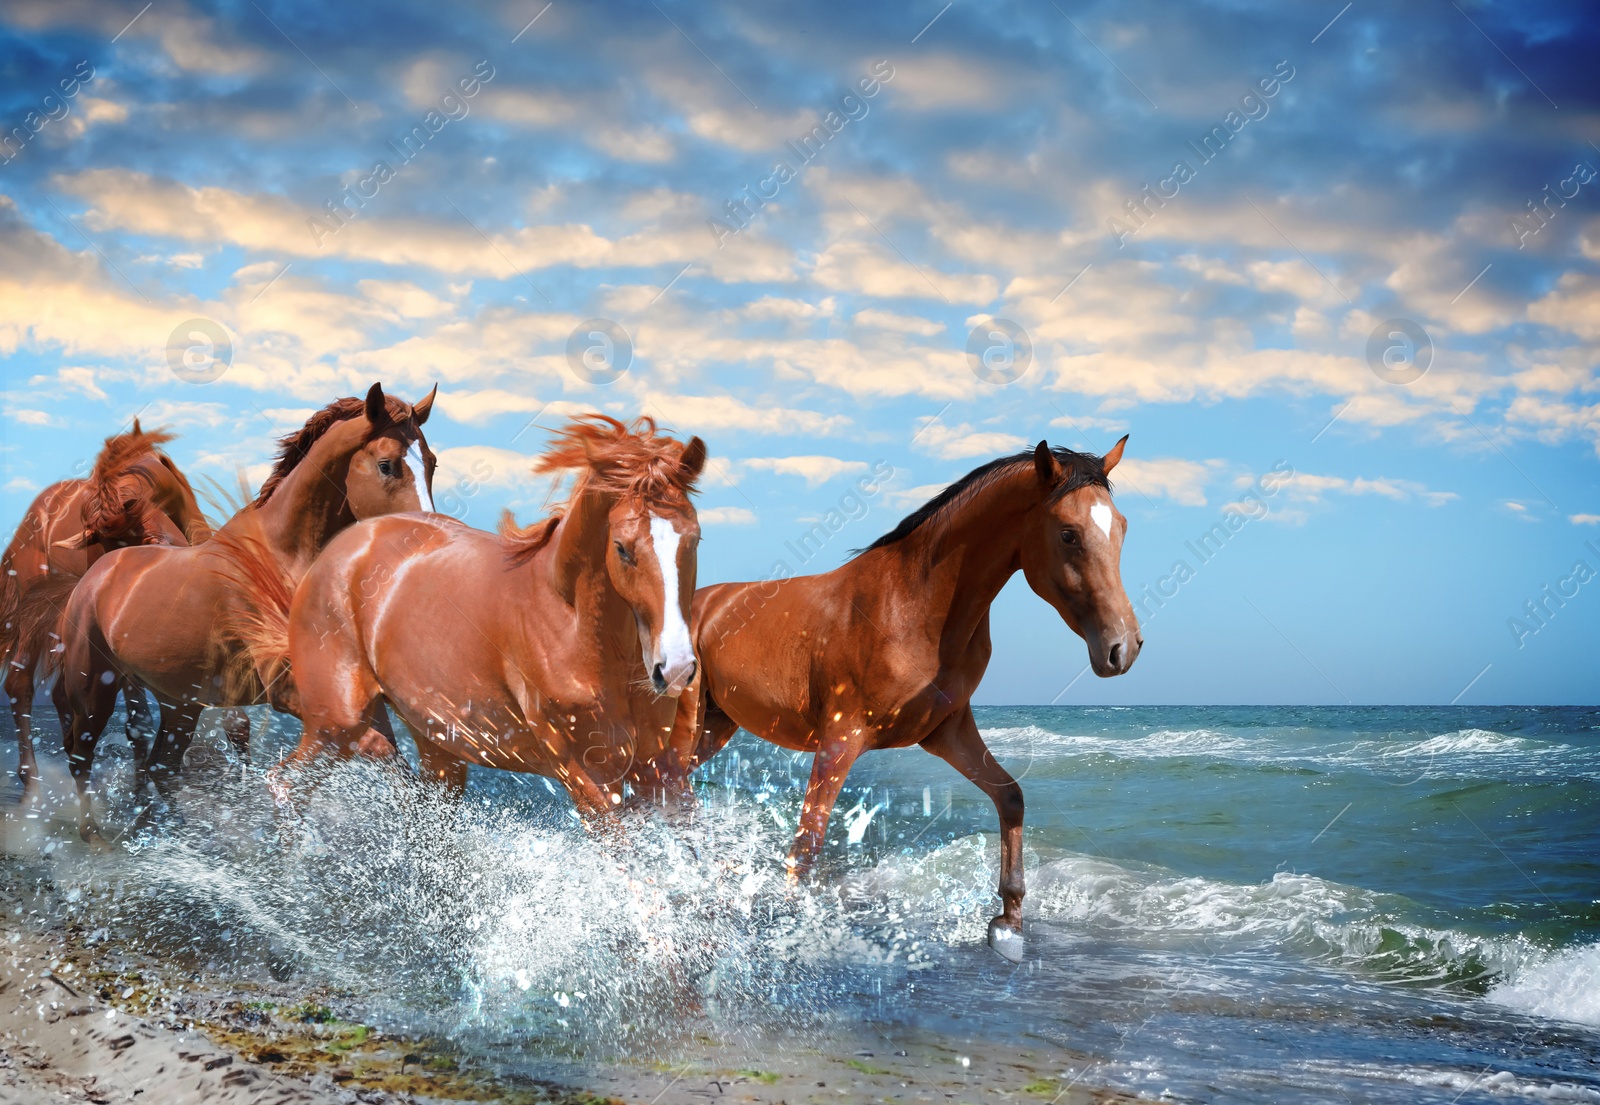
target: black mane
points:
(1080, 469)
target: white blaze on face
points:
(419, 473)
(1100, 514)
(676, 653)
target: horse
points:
(887, 650)
(177, 621)
(133, 495)
(555, 649)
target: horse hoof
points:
(1007, 942)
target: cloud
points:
(1572, 305)
(900, 324)
(962, 441)
(128, 200)
(815, 470)
(1309, 488)
(465, 468)
(1182, 481)
(725, 516)
(876, 270)
(1584, 519)
(698, 414)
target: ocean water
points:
(1251, 904)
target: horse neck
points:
(310, 505)
(970, 554)
(604, 624)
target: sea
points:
(1225, 903)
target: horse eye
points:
(1069, 536)
(386, 467)
(627, 557)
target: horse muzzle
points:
(1114, 654)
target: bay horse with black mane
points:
(178, 621)
(557, 649)
(887, 650)
(134, 495)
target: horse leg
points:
(836, 754)
(378, 742)
(715, 732)
(957, 742)
(442, 767)
(19, 688)
(336, 723)
(236, 727)
(178, 723)
(139, 728)
(84, 703)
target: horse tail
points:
(40, 617)
(260, 622)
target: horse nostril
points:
(1116, 655)
(658, 676)
(694, 666)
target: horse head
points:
(136, 495)
(634, 495)
(1072, 556)
(358, 458)
(392, 471)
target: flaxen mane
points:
(293, 448)
(629, 459)
(116, 491)
(1080, 469)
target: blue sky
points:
(1043, 163)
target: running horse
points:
(887, 650)
(556, 649)
(134, 495)
(178, 621)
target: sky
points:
(1336, 271)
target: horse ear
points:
(1046, 465)
(136, 431)
(81, 541)
(421, 410)
(693, 459)
(1109, 461)
(377, 407)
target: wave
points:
(1379, 935)
(1463, 753)
(1564, 987)
(1490, 1082)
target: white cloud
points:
(962, 441)
(815, 470)
(725, 516)
(1182, 481)
(1310, 488)
(901, 324)
(1584, 519)
(699, 414)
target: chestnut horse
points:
(556, 649)
(886, 650)
(169, 619)
(134, 495)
